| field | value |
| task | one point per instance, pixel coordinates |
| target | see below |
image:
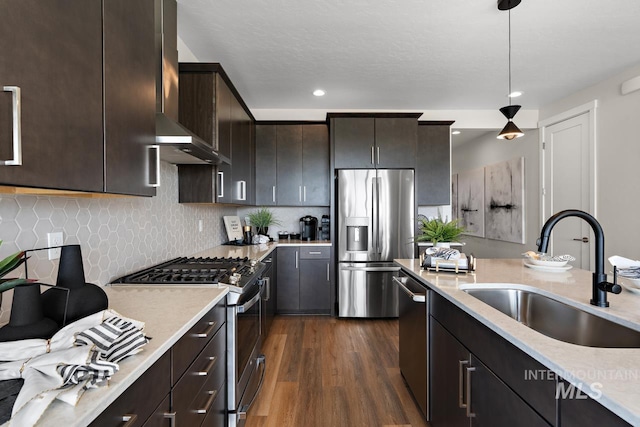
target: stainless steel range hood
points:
(177, 143)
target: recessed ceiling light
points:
(515, 94)
(455, 132)
(319, 92)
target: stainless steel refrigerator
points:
(375, 225)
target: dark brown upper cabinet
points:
(211, 107)
(85, 75)
(433, 165)
(368, 141)
(292, 165)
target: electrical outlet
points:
(54, 239)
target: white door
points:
(568, 149)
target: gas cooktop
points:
(238, 272)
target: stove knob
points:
(253, 262)
(234, 278)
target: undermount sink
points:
(556, 319)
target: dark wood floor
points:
(328, 372)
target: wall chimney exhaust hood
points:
(177, 144)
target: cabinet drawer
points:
(205, 374)
(217, 415)
(141, 398)
(311, 252)
(191, 344)
(201, 404)
(162, 415)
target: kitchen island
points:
(613, 371)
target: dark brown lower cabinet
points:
(140, 400)
(197, 396)
(578, 410)
(304, 280)
(464, 392)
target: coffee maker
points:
(309, 228)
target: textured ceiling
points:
(410, 54)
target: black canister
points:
(84, 298)
(27, 318)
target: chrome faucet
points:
(600, 286)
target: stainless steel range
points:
(245, 309)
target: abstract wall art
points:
(504, 201)
(471, 201)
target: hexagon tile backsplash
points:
(117, 234)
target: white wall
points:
(486, 151)
(617, 160)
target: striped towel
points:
(65, 374)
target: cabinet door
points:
(494, 404)
(578, 410)
(448, 361)
(242, 154)
(353, 142)
(315, 286)
(129, 88)
(223, 111)
(55, 57)
(396, 140)
(161, 417)
(433, 166)
(266, 165)
(289, 160)
(315, 165)
(288, 273)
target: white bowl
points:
(635, 283)
(547, 263)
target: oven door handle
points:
(247, 305)
(242, 412)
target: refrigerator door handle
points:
(377, 269)
(374, 215)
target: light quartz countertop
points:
(617, 370)
(168, 312)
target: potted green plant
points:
(438, 231)
(262, 219)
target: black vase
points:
(27, 318)
(84, 298)
(262, 230)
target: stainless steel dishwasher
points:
(413, 303)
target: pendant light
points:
(510, 131)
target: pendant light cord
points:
(509, 93)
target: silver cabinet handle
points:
(242, 190)
(220, 184)
(315, 253)
(171, 416)
(267, 281)
(207, 369)
(273, 192)
(299, 193)
(16, 109)
(415, 297)
(461, 403)
(156, 182)
(379, 269)
(469, 413)
(304, 193)
(205, 334)
(372, 160)
(296, 259)
(378, 151)
(328, 278)
(209, 404)
(129, 420)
